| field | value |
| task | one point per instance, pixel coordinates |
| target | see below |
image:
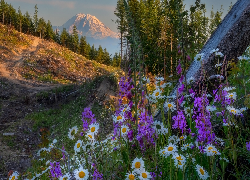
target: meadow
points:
(201, 136)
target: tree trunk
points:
(232, 37)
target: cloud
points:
(57, 3)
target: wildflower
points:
(14, 176)
(231, 95)
(159, 127)
(229, 88)
(131, 175)
(81, 174)
(90, 136)
(72, 132)
(232, 110)
(159, 78)
(211, 150)
(55, 170)
(210, 108)
(78, 146)
(144, 175)
(224, 159)
(183, 137)
(179, 69)
(185, 146)
(248, 146)
(199, 57)
(218, 65)
(170, 149)
(179, 121)
(93, 128)
(214, 50)
(157, 94)
(66, 176)
(242, 109)
(174, 139)
(170, 106)
(124, 130)
(189, 80)
(188, 110)
(179, 160)
(188, 58)
(201, 172)
(243, 57)
(219, 54)
(118, 118)
(137, 164)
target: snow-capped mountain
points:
(95, 31)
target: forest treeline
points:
(36, 26)
(153, 29)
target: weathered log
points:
(232, 37)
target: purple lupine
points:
(188, 58)
(87, 114)
(179, 121)
(181, 99)
(248, 146)
(63, 153)
(55, 170)
(97, 175)
(145, 130)
(179, 69)
(181, 79)
(181, 88)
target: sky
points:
(59, 11)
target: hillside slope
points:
(36, 74)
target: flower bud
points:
(188, 58)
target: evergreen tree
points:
(99, 57)
(35, 18)
(92, 53)
(215, 20)
(26, 22)
(64, 37)
(20, 17)
(3, 9)
(116, 62)
(49, 34)
(12, 16)
(41, 28)
(56, 37)
(75, 39)
(88, 49)
(83, 46)
(106, 57)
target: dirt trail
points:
(8, 70)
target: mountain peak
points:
(89, 26)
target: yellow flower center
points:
(230, 95)
(214, 152)
(170, 149)
(144, 175)
(163, 152)
(182, 137)
(13, 178)
(137, 165)
(124, 130)
(179, 158)
(123, 110)
(92, 129)
(233, 111)
(210, 148)
(170, 105)
(81, 174)
(90, 136)
(179, 163)
(78, 145)
(118, 118)
(202, 171)
(157, 94)
(64, 178)
(131, 177)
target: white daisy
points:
(170, 149)
(210, 108)
(170, 106)
(232, 110)
(190, 80)
(174, 139)
(232, 95)
(125, 109)
(179, 160)
(118, 118)
(243, 57)
(202, 172)
(185, 146)
(182, 138)
(90, 136)
(72, 132)
(14, 176)
(67, 176)
(159, 127)
(137, 164)
(93, 128)
(78, 145)
(144, 175)
(218, 65)
(124, 130)
(187, 111)
(229, 88)
(199, 57)
(219, 54)
(159, 78)
(210, 150)
(214, 50)
(81, 174)
(243, 109)
(157, 94)
(131, 176)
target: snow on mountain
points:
(95, 31)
